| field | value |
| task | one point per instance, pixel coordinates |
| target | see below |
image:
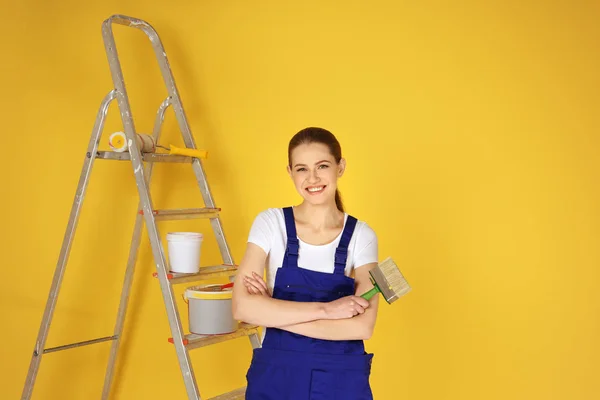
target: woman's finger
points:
(260, 280)
(255, 285)
(260, 288)
(249, 288)
(356, 308)
(258, 283)
(360, 301)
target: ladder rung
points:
(184, 213)
(206, 273)
(148, 157)
(238, 394)
(79, 344)
(193, 341)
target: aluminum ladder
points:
(146, 213)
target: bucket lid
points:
(208, 292)
(184, 236)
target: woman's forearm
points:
(356, 328)
(268, 312)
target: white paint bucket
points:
(184, 251)
(209, 310)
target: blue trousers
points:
(290, 375)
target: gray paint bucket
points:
(209, 310)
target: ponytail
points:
(338, 201)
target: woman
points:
(318, 260)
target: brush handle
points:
(188, 152)
(369, 295)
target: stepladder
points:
(142, 165)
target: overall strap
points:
(341, 253)
(290, 258)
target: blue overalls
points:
(296, 367)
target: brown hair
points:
(323, 136)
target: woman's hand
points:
(346, 307)
(256, 285)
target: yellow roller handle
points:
(188, 152)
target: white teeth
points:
(317, 189)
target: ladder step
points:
(79, 344)
(238, 394)
(184, 213)
(148, 157)
(205, 273)
(193, 341)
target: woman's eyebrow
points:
(318, 162)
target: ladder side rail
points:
(131, 263)
(147, 207)
(66, 245)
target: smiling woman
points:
(317, 260)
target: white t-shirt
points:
(268, 232)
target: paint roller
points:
(146, 143)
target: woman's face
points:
(315, 172)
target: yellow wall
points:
(471, 133)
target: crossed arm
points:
(348, 318)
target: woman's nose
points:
(314, 176)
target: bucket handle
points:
(223, 286)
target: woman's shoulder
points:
(271, 212)
(364, 232)
(270, 215)
(366, 246)
(266, 224)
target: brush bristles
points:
(393, 285)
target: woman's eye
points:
(323, 166)
(301, 169)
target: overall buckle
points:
(341, 255)
(293, 247)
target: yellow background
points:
(471, 134)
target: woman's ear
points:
(289, 171)
(341, 167)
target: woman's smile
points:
(315, 190)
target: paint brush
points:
(388, 280)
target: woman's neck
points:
(325, 216)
